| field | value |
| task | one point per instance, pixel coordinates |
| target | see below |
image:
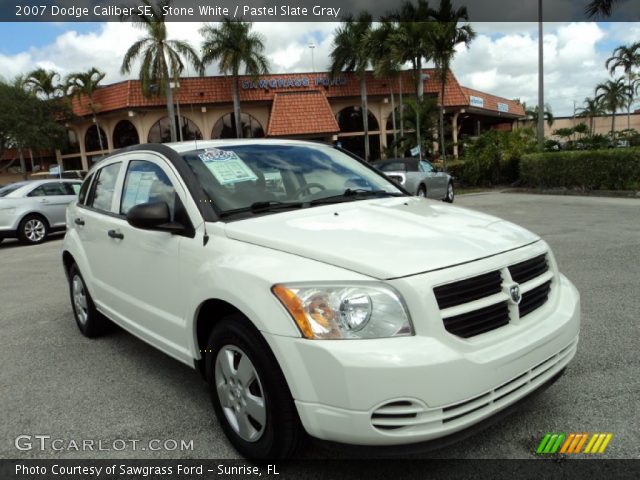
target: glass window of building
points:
(94, 139)
(125, 134)
(161, 133)
(226, 127)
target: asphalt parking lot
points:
(55, 382)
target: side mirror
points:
(153, 216)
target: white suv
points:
(315, 294)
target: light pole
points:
(312, 46)
(176, 86)
(540, 78)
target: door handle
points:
(44, 200)
(78, 221)
(115, 234)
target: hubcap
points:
(422, 193)
(450, 192)
(34, 230)
(240, 393)
(79, 299)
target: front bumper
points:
(413, 389)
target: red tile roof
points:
(301, 113)
(211, 90)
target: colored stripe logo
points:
(573, 443)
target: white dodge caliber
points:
(314, 294)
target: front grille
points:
(478, 321)
(529, 269)
(534, 299)
(468, 290)
(480, 304)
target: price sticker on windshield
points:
(226, 166)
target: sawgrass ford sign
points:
(297, 81)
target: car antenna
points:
(205, 236)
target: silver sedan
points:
(30, 210)
(419, 177)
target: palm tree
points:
(627, 58)
(232, 44)
(532, 114)
(613, 94)
(592, 108)
(85, 84)
(410, 43)
(598, 8)
(386, 64)
(445, 35)
(162, 58)
(43, 82)
(352, 52)
(420, 114)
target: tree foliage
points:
(231, 45)
(27, 121)
(493, 158)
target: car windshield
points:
(4, 191)
(261, 178)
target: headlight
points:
(345, 311)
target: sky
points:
(501, 60)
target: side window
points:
(146, 182)
(426, 167)
(103, 187)
(49, 190)
(82, 196)
(71, 188)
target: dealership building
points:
(301, 105)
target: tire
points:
(422, 191)
(450, 195)
(90, 322)
(33, 229)
(272, 431)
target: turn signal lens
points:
(293, 304)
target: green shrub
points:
(493, 158)
(456, 169)
(610, 169)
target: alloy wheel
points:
(240, 393)
(79, 299)
(34, 230)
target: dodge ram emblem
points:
(514, 293)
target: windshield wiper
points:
(354, 194)
(261, 207)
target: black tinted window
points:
(104, 186)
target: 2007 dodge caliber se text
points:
(314, 294)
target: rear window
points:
(394, 167)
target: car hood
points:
(384, 238)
